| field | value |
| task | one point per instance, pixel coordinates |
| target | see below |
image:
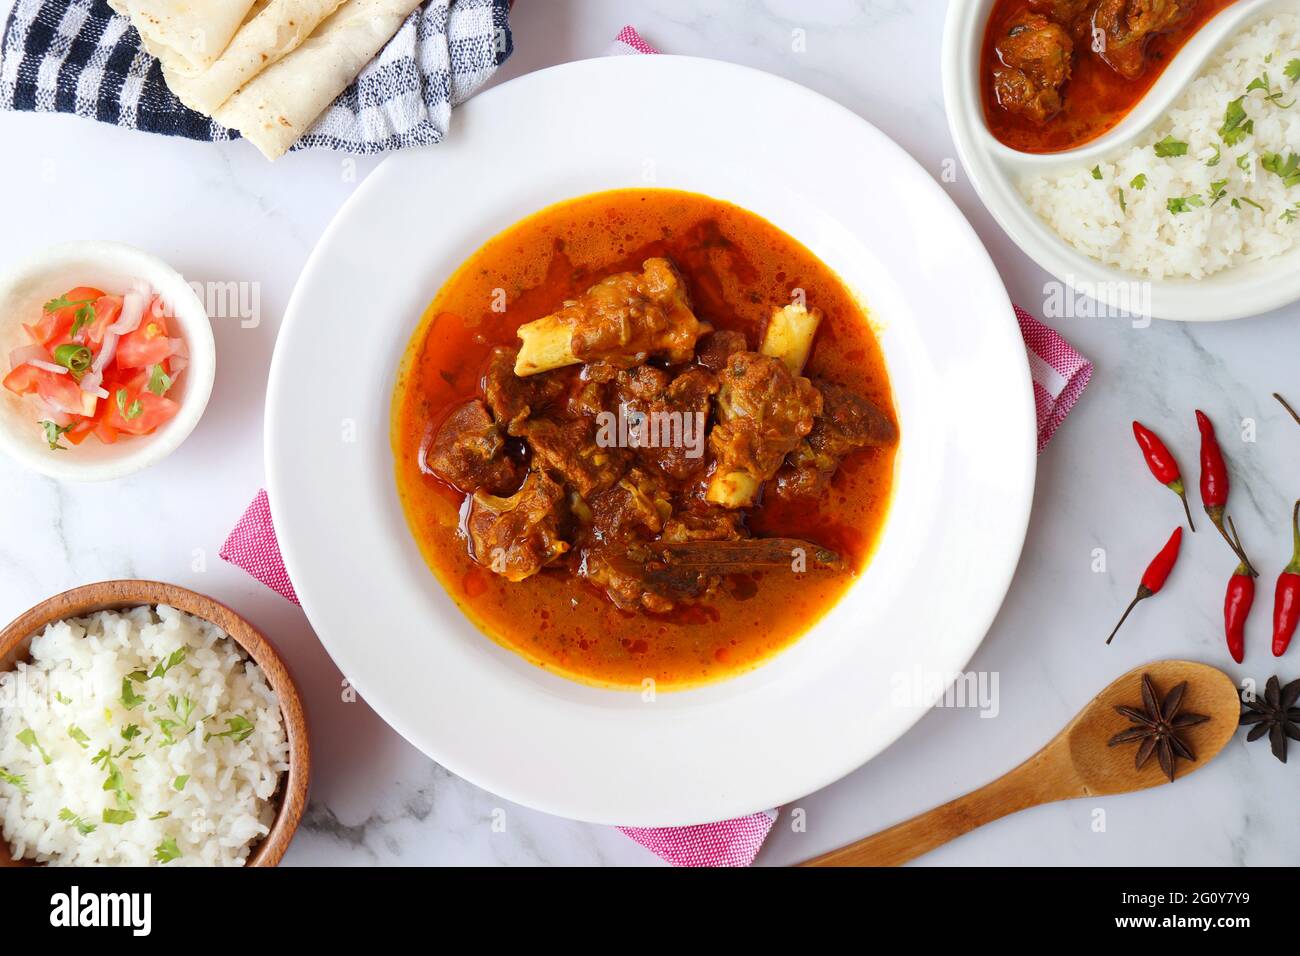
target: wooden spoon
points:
(1076, 763)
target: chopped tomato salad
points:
(99, 364)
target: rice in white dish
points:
(138, 737)
(1193, 215)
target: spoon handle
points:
(1043, 778)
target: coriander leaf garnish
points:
(1139, 181)
(159, 381)
(84, 315)
(1289, 214)
(27, 737)
(14, 779)
(238, 729)
(1288, 169)
(179, 783)
(1243, 162)
(134, 410)
(166, 851)
(86, 828)
(161, 816)
(1292, 70)
(79, 735)
(1218, 189)
(1218, 155)
(176, 656)
(1263, 84)
(118, 816)
(131, 731)
(130, 699)
(53, 433)
(1123, 206)
(1236, 124)
(1170, 147)
(1096, 172)
(1248, 201)
(61, 699)
(1182, 204)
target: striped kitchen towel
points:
(78, 56)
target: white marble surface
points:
(222, 212)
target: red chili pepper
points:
(1236, 608)
(1286, 600)
(1162, 464)
(1155, 576)
(1214, 486)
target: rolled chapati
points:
(187, 36)
(275, 29)
(276, 107)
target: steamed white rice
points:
(186, 795)
(1146, 237)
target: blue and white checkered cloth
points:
(78, 56)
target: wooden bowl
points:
(15, 641)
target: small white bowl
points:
(110, 266)
(1245, 290)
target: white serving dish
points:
(994, 169)
(28, 285)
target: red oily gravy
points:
(737, 266)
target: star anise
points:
(1276, 714)
(1157, 727)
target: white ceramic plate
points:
(995, 169)
(965, 469)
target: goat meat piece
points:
(847, 422)
(763, 412)
(511, 398)
(1125, 26)
(623, 319)
(570, 450)
(469, 452)
(714, 349)
(517, 536)
(666, 417)
(1036, 59)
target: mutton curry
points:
(644, 434)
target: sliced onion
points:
(177, 365)
(91, 381)
(160, 309)
(101, 393)
(179, 348)
(28, 353)
(133, 306)
(48, 366)
(141, 286)
(51, 412)
(106, 352)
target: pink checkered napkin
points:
(1060, 375)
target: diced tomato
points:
(105, 432)
(55, 325)
(154, 410)
(61, 391)
(147, 345)
(23, 379)
(107, 309)
(78, 432)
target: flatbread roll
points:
(275, 28)
(186, 35)
(278, 105)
